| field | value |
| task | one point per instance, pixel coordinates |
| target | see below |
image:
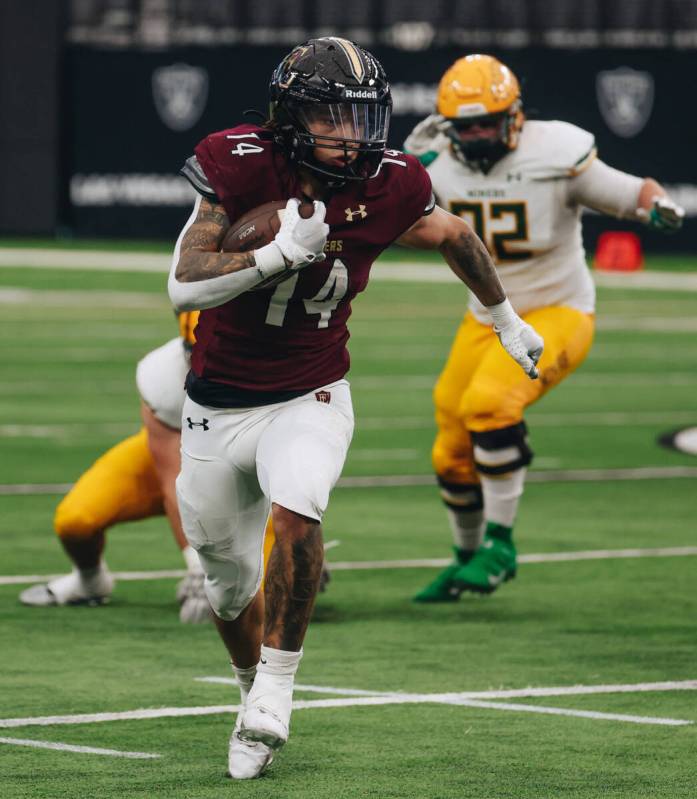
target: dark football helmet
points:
(331, 94)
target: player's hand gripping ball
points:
(263, 225)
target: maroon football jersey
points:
(292, 337)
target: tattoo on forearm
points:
(290, 588)
(200, 257)
(469, 259)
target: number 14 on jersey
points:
(323, 303)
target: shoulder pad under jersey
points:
(237, 162)
(197, 177)
(554, 149)
(408, 185)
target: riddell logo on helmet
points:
(361, 94)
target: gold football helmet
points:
(480, 97)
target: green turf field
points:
(72, 338)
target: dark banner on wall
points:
(132, 118)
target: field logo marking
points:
(83, 750)
(353, 697)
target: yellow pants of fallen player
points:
(482, 389)
(120, 486)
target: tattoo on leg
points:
(291, 585)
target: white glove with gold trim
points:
(517, 337)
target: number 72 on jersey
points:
(484, 216)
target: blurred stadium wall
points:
(98, 118)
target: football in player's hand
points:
(259, 227)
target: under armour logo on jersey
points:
(203, 423)
(323, 396)
(361, 212)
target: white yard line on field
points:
(315, 689)
(545, 557)
(587, 380)
(567, 420)
(358, 565)
(410, 480)
(124, 715)
(66, 430)
(380, 698)
(70, 298)
(650, 324)
(163, 574)
(584, 714)
(403, 271)
(501, 693)
(555, 476)
(83, 750)
(89, 260)
(385, 454)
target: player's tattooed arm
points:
(467, 256)
(462, 250)
(199, 251)
(203, 277)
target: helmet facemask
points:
(352, 136)
(483, 140)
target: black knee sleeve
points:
(465, 497)
(502, 451)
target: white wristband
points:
(502, 314)
(269, 260)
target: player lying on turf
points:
(133, 480)
(267, 396)
(521, 185)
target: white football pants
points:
(237, 461)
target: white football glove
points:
(663, 215)
(298, 243)
(428, 136)
(517, 337)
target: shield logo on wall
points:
(180, 92)
(625, 98)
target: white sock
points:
(501, 495)
(467, 527)
(193, 564)
(275, 676)
(278, 662)
(96, 579)
(245, 678)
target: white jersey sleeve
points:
(606, 190)
(160, 379)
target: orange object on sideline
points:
(618, 251)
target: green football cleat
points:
(491, 565)
(442, 589)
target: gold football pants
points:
(482, 388)
(120, 486)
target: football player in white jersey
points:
(521, 185)
(132, 480)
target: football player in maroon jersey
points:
(268, 418)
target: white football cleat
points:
(195, 608)
(266, 716)
(71, 589)
(247, 759)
